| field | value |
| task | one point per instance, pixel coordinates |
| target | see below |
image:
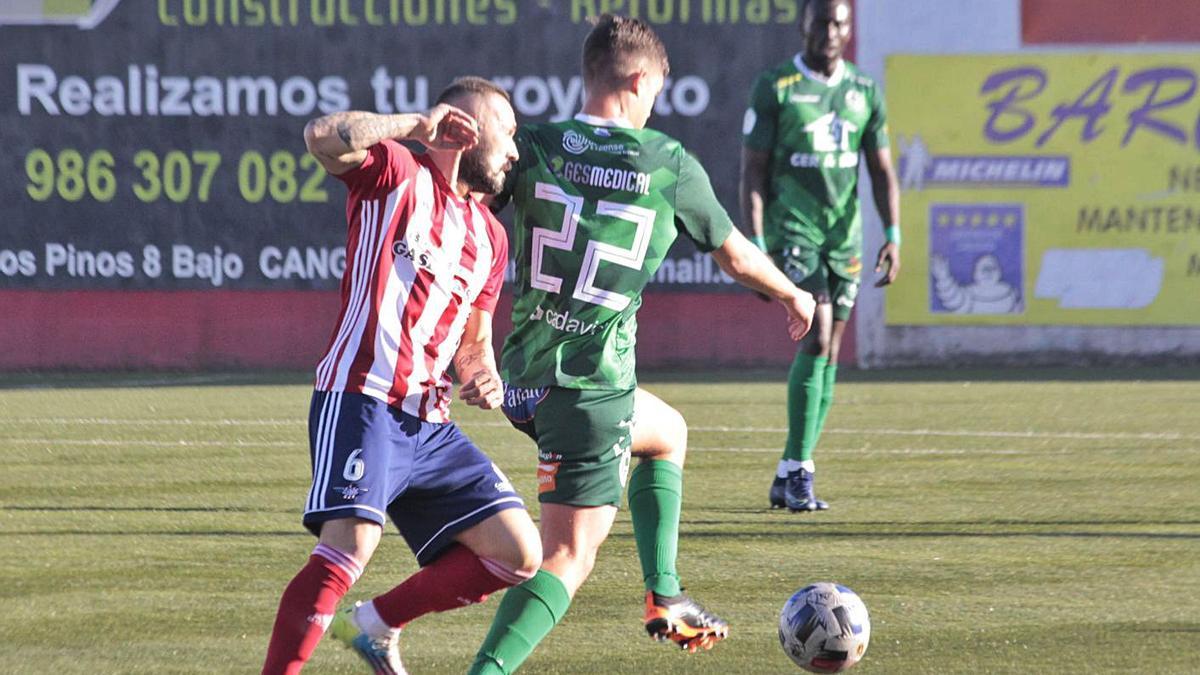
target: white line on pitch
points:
(179, 422)
(916, 451)
(963, 432)
(97, 442)
(299, 422)
(117, 383)
(105, 442)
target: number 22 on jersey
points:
(595, 253)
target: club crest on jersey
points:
(855, 100)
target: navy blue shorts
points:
(372, 461)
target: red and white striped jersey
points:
(418, 259)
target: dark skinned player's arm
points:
(886, 190)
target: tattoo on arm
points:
(360, 130)
(343, 132)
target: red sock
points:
(456, 579)
(307, 607)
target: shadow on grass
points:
(140, 509)
(158, 533)
(923, 534)
(685, 535)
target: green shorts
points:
(830, 279)
(584, 437)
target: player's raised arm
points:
(340, 140)
(752, 268)
(475, 363)
(886, 190)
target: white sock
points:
(808, 465)
(781, 469)
(368, 620)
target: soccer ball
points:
(824, 628)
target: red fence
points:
(270, 329)
(1109, 21)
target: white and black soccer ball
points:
(824, 628)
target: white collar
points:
(616, 122)
(839, 71)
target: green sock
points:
(826, 396)
(805, 381)
(525, 616)
(655, 499)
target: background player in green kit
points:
(809, 120)
(599, 200)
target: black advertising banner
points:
(156, 144)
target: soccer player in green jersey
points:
(810, 119)
(599, 200)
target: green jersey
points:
(814, 127)
(597, 207)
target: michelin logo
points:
(919, 167)
(83, 14)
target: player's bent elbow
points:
(310, 136)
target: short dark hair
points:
(805, 4)
(468, 85)
(616, 47)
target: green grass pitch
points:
(993, 522)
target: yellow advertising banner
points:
(1048, 188)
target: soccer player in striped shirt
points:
(425, 264)
(599, 200)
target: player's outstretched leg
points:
(655, 502)
(571, 536)
(498, 552)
